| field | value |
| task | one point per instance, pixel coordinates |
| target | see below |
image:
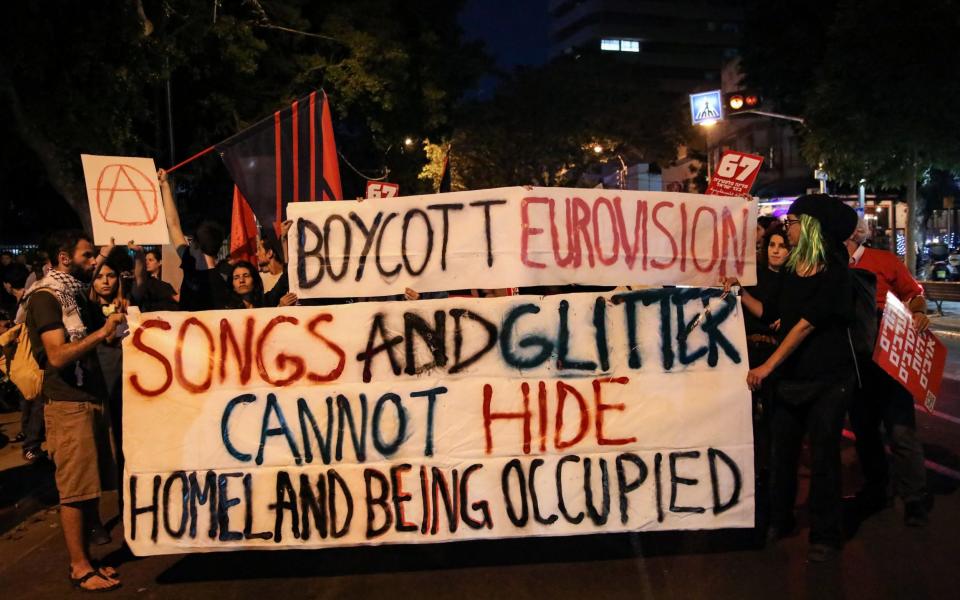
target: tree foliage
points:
(542, 124)
(92, 77)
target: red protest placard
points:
(735, 174)
(915, 360)
(382, 189)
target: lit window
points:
(613, 45)
(629, 46)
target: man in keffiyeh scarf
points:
(77, 428)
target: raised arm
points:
(170, 208)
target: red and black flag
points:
(290, 156)
(445, 175)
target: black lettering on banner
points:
(598, 517)
(206, 495)
(380, 500)
(483, 506)
(387, 450)
(273, 407)
(446, 208)
(424, 486)
(486, 204)
(431, 396)
(377, 328)
(629, 301)
(657, 471)
(314, 505)
(345, 414)
(400, 497)
(460, 363)
(345, 265)
(563, 344)
(718, 506)
(711, 326)
(335, 481)
(323, 442)
(451, 500)
(248, 512)
(561, 504)
(676, 481)
(534, 465)
(136, 511)
(403, 240)
(302, 254)
(506, 340)
(368, 236)
(434, 337)
(184, 495)
(224, 504)
(521, 519)
(600, 326)
(396, 269)
(225, 426)
(286, 499)
(624, 487)
(680, 299)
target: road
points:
(884, 559)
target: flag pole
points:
(191, 159)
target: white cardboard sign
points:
(519, 237)
(437, 420)
(124, 198)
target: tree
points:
(542, 124)
(102, 80)
(883, 107)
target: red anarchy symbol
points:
(129, 185)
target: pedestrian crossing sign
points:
(706, 107)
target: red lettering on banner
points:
(138, 343)
(489, 417)
(282, 358)
(245, 357)
(730, 231)
(526, 232)
(573, 252)
(612, 228)
(602, 407)
(656, 264)
(334, 373)
(562, 390)
(188, 385)
(581, 229)
(639, 223)
(714, 249)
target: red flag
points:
(243, 230)
(290, 156)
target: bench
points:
(940, 291)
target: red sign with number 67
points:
(735, 174)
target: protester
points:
(39, 265)
(271, 260)
(882, 400)
(149, 292)
(814, 365)
(203, 287)
(73, 388)
(247, 287)
(31, 411)
(761, 339)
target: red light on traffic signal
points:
(752, 100)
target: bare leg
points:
(71, 519)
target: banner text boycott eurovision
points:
(435, 420)
(511, 237)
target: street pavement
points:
(882, 559)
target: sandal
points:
(78, 582)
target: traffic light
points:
(742, 101)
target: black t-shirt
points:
(767, 283)
(80, 381)
(154, 294)
(201, 289)
(825, 300)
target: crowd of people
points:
(804, 369)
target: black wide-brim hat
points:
(837, 220)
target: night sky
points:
(514, 31)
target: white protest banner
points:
(436, 420)
(519, 237)
(124, 198)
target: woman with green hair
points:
(812, 370)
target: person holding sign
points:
(882, 400)
(814, 365)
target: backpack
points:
(22, 367)
(862, 332)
